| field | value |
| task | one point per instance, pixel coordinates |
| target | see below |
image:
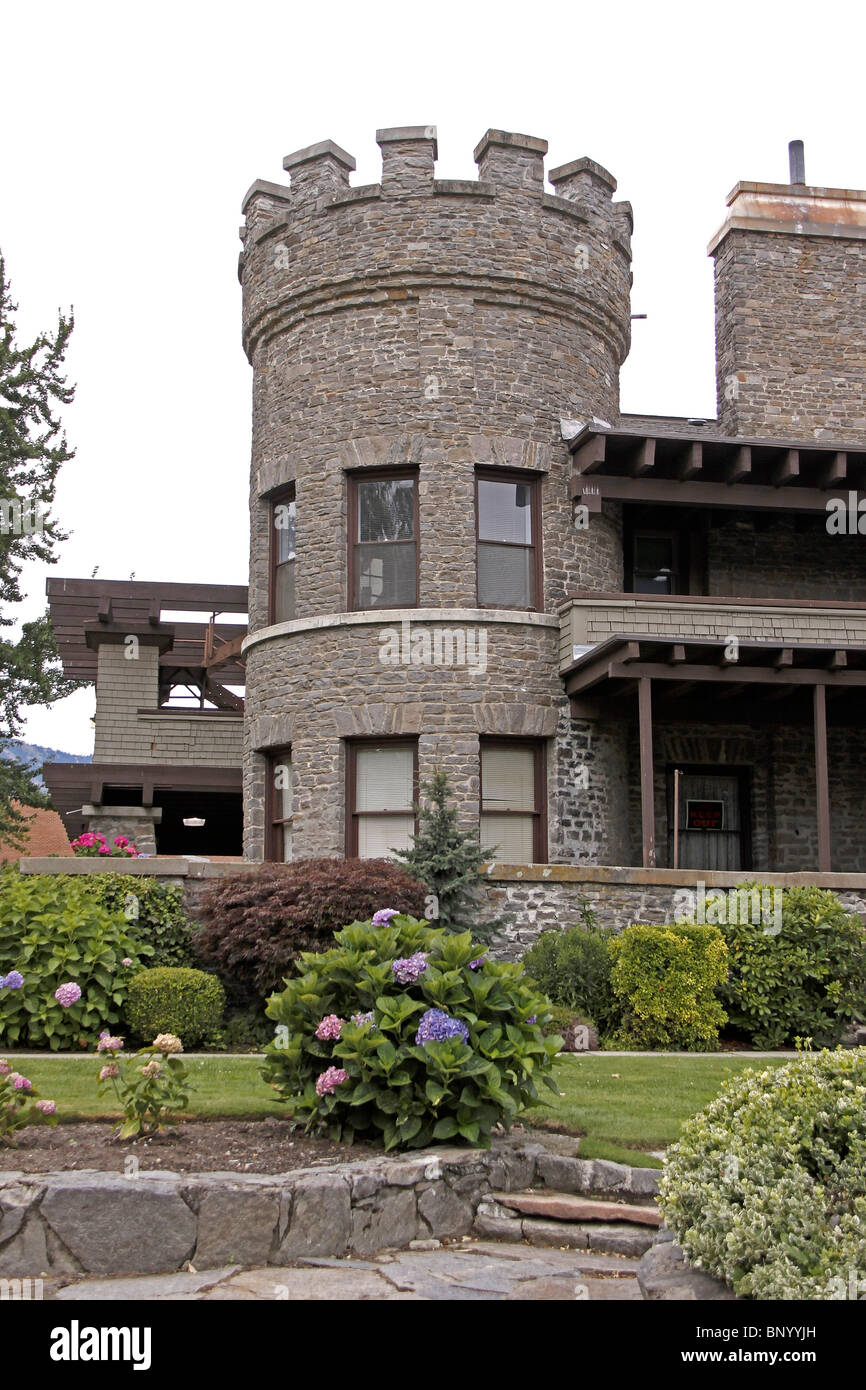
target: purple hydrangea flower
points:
(533, 1018)
(474, 964)
(384, 915)
(67, 994)
(436, 1026)
(14, 980)
(409, 968)
(360, 1019)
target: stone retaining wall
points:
(105, 1223)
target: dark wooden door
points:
(711, 821)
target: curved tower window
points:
(282, 589)
(383, 541)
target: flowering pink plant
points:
(91, 843)
(20, 1104)
(330, 1028)
(329, 1080)
(150, 1086)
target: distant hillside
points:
(36, 753)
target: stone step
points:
(564, 1206)
(493, 1221)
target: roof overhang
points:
(714, 470)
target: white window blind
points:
(508, 785)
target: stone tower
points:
(428, 336)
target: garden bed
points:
(203, 1146)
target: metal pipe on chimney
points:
(797, 161)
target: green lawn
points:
(623, 1106)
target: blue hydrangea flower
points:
(360, 1019)
(474, 964)
(436, 1026)
(384, 915)
(14, 980)
(533, 1018)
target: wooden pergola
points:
(761, 673)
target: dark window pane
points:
(653, 553)
(384, 576)
(505, 576)
(284, 524)
(653, 584)
(386, 509)
(504, 511)
(284, 592)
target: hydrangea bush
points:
(66, 961)
(151, 1086)
(20, 1104)
(406, 1034)
(766, 1187)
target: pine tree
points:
(32, 449)
(446, 858)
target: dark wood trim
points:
(738, 494)
(603, 596)
(822, 780)
(647, 785)
(352, 815)
(354, 476)
(511, 475)
(539, 749)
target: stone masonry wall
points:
(790, 328)
(441, 325)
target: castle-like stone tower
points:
(429, 336)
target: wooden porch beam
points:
(744, 496)
(787, 469)
(740, 466)
(647, 785)
(822, 780)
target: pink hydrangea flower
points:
(330, 1080)
(127, 960)
(5, 1068)
(20, 1083)
(330, 1028)
(47, 1107)
(152, 1069)
(67, 994)
(107, 1043)
(108, 1071)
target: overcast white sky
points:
(130, 135)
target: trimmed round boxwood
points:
(766, 1187)
(169, 999)
(408, 1034)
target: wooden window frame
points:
(514, 475)
(274, 825)
(539, 749)
(354, 477)
(353, 815)
(277, 499)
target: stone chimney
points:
(790, 272)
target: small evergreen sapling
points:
(446, 857)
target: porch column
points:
(822, 779)
(647, 790)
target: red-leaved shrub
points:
(254, 924)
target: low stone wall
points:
(155, 1222)
(526, 899)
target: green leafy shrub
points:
(188, 1003)
(156, 911)
(150, 1087)
(766, 1187)
(54, 932)
(245, 1030)
(407, 1034)
(808, 979)
(573, 969)
(255, 925)
(665, 978)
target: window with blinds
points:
(512, 801)
(381, 785)
(283, 511)
(383, 555)
(280, 806)
(508, 555)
